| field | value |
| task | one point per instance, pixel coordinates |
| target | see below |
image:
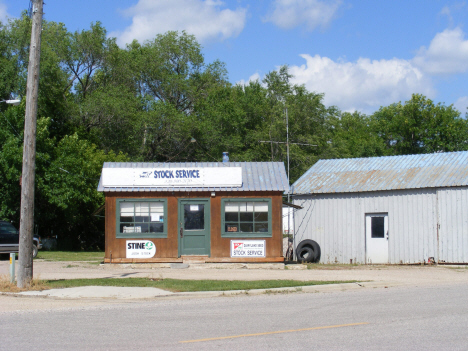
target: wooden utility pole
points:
(25, 259)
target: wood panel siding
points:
(167, 248)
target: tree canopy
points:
(159, 101)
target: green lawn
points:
(177, 285)
(71, 256)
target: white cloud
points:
(254, 77)
(313, 13)
(363, 85)
(3, 13)
(203, 18)
(461, 105)
(447, 53)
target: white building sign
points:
(140, 249)
(247, 248)
(173, 177)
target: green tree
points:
(67, 174)
(420, 126)
(352, 135)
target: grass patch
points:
(178, 285)
(89, 256)
(6, 286)
(332, 266)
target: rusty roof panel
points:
(385, 173)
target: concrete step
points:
(194, 258)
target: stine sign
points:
(247, 248)
(140, 249)
(172, 177)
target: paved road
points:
(394, 318)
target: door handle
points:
(181, 232)
(387, 234)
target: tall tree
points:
(420, 126)
(353, 135)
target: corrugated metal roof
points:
(256, 176)
(385, 173)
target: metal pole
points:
(12, 266)
(287, 148)
(25, 259)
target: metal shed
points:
(396, 209)
(204, 212)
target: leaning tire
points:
(313, 246)
(305, 254)
(35, 251)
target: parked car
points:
(9, 239)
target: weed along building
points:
(398, 209)
(204, 212)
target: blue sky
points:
(362, 54)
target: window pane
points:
(194, 217)
(246, 211)
(7, 228)
(127, 228)
(231, 207)
(141, 217)
(231, 211)
(126, 219)
(126, 209)
(141, 209)
(261, 216)
(156, 227)
(246, 216)
(246, 206)
(261, 227)
(231, 227)
(246, 227)
(378, 230)
(156, 217)
(156, 207)
(231, 216)
(142, 227)
(261, 207)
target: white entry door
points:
(377, 238)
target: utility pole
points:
(25, 259)
(287, 149)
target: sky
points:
(361, 54)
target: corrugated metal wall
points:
(453, 219)
(337, 223)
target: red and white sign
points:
(247, 248)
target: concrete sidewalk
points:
(130, 293)
(371, 276)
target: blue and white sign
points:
(140, 249)
(172, 177)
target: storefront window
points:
(141, 219)
(246, 218)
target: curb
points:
(140, 293)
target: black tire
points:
(313, 246)
(35, 250)
(305, 254)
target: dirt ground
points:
(380, 275)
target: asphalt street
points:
(400, 317)
(392, 307)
